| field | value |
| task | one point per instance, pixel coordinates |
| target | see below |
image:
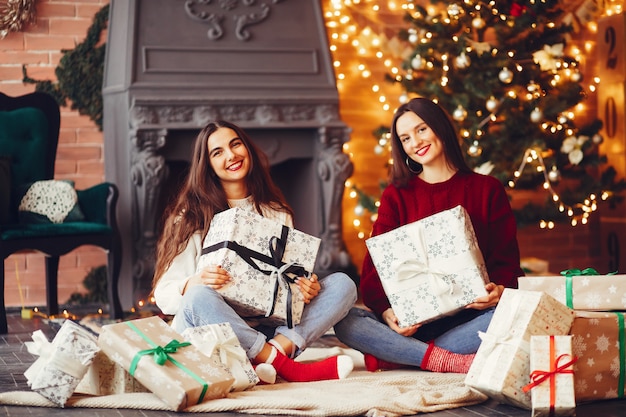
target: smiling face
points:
(419, 141)
(228, 155)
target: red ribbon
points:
(537, 377)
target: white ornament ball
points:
(506, 75)
(459, 114)
(597, 139)
(554, 175)
(478, 23)
(359, 210)
(417, 62)
(462, 61)
(378, 150)
(475, 149)
(577, 77)
(403, 98)
(413, 38)
(491, 103)
(536, 115)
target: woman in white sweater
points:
(228, 170)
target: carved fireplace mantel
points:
(174, 65)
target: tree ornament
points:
(491, 104)
(378, 150)
(459, 114)
(478, 22)
(536, 115)
(506, 75)
(577, 76)
(554, 175)
(417, 62)
(597, 139)
(462, 61)
(475, 149)
(359, 210)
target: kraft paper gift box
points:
(62, 363)
(501, 367)
(155, 354)
(263, 258)
(581, 292)
(105, 377)
(599, 343)
(219, 342)
(430, 268)
(552, 376)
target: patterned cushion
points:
(50, 201)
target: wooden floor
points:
(15, 359)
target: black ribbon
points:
(277, 247)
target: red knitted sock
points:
(373, 364)
(437, 359)
(292, 371)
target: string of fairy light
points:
(360, 24)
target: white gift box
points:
(219, 342)
(62, 363)
(552, 376)
(501, 367)
(430, 268)
(263, 258)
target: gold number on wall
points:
(610, 38)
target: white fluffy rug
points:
(389, 393)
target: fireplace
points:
(174, 65)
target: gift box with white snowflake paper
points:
(106, 377)
(581, 290)
(430, 268)
(551, 384)
(599, 343)
(62, 363)
(155, 354)
(263, 258)
(501, 367)
(219, 342)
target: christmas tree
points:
(506, 73)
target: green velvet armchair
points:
(29, 134)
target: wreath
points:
(14, 14)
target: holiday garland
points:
(14, 14)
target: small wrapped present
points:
(263, 258)
(599, 342)
(430, 268)
(61, 364)
(581, 289)
(534, 266)
(219, 342)
(152, 352)
(501, 367)
(552, 376)
(105, 377)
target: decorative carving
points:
(334, 168)
(14, 14)
(148, 171)
(254, 13)
(263, 114)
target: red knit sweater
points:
(488, 206)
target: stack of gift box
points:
(554, 342)
(203, 363)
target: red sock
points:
(373, 364)
(437, 359)
(293, 371)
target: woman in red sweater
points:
(429, 175)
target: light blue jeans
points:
(202, 305)
(361, 330)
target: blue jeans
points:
(202, 305)
(361, 330)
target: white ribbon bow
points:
(412, 270)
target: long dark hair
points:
(441, 124)
(202, 196)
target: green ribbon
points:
(575, 272)
(622, 353)
(161, 355)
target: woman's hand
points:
(392, 321)
(309, 287)
(489, 300)
(213, 276)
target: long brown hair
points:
(440, 122)
(202, 196)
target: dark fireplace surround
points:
(174, 65)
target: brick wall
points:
(59, 25)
